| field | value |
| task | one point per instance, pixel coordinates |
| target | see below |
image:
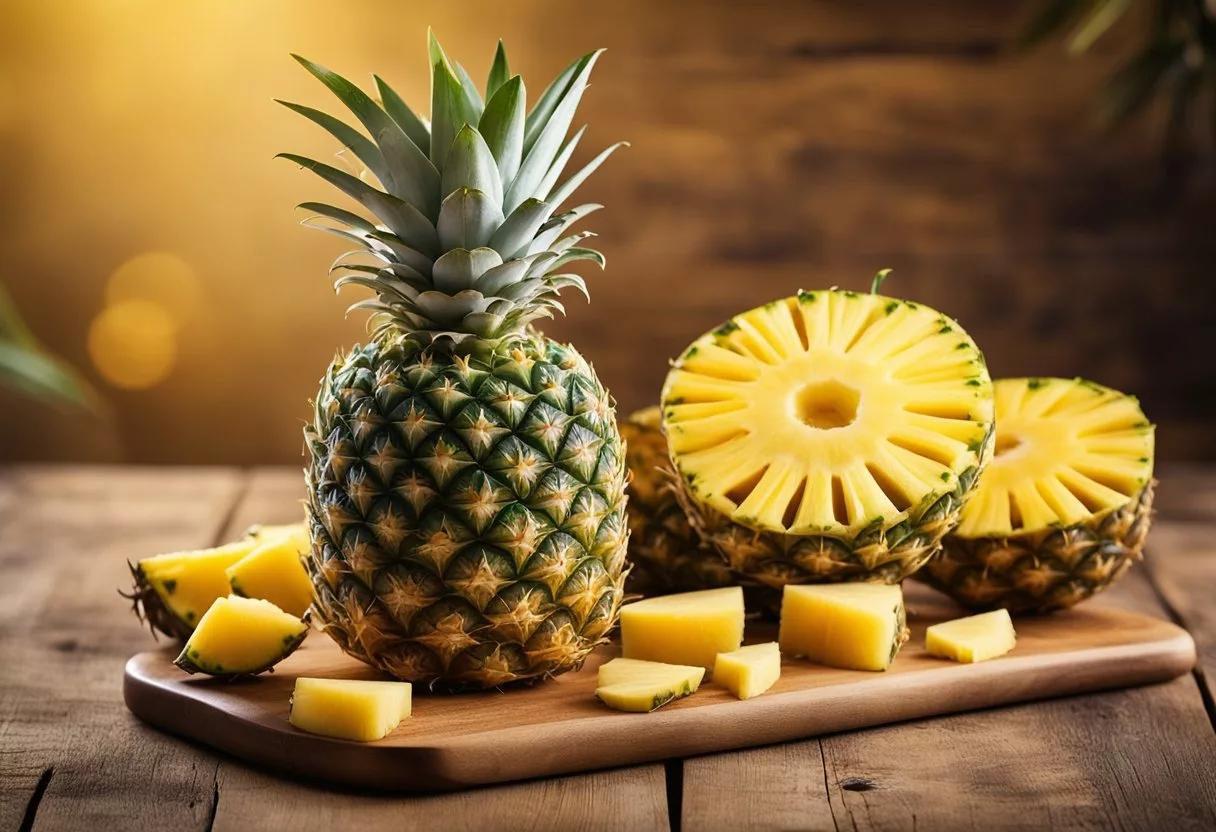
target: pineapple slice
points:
(173, 592)
(687, 628)
(274, 571)
(350, 710)
(854, 626)
(972, 639)
(829, 436)
(749, 671)
(1064, 507)
(264, 534)
(241, 637)
(641, 686)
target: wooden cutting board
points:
(455, 741)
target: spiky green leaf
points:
(461, 268)
(500, 71)
(570, 185)
(520, 228)
(470, 164)
(502, 127)
(468, 219)
(404, 115)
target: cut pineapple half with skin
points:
(274, 572)
(641, 686)
(1064, 507)
(749, 671)
(976, 638)
(852, 626)
(241, 637)
(829, 436)
(350, 709)
(689, 628)
(173, 591)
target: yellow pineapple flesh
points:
(241, 637)
(749, 671)
(689, 628)
(643, 686)
(174, 591)
(976, 638)
(347, 709)
(275, 572)
(852, 626)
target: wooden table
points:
(72, 757)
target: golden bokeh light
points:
(133, 344)
(160, 277)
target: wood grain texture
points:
(1126, 759)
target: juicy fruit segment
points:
(1065, 505)
(174, 591)
(689, 628)
(853, 626)
(666, 552)
(265, 534)
(749, 671)
(829, 436)
(274, 571)
(241, 636)
(972, 639)
(643, 686)
(348, 709)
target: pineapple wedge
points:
(687, 628)
(241, 637)
(274, 571)
(641, 686)
(749, 671)
(972, 639)
(350, 710)
(173, 592)
(853, 626)
(265, 534)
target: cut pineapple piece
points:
(972, 639)
(274, 571)
(241, 637)
(829, 436)
(265, 534)
(642, 686)
(749, 671)
(348, 709)
(1064, 507)
(174, 591)
(687, 628)
(854, 626)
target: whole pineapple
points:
(466, 477)
(1065, 506)
(830, 436)
(665, 552)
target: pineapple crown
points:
(469, 245)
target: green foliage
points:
(27, 368)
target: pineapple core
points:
(640, 686)
(686, 628)
(350, 710)
(854, 626)
(241, 636)
(188, 582)
(972, 639)
(274, 571)
(749, 671)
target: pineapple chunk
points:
(177, 589)
(972, 639)
(640, 686)
(854, 626)
(749, 671)
(264, 534)
(273, 571)
(350, 710)
(687, 628)
(241, 637)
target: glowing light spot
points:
(133, 344)
(162, 278)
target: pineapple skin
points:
(467, 514)
(666, 553)
(1043, 571)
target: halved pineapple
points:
(666, 552)
(350, 709)
(642, 686)
(241, 637)
(1064, 507)
(687, 628)
(976, 638)
(749, 671)
(274, 571)
(172, 592)
(829, 436)
(852, 626)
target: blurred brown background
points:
(776, 145)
